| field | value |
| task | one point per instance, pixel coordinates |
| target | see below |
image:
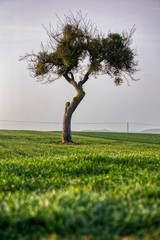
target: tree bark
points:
(69, 109)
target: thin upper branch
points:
(84, 80)
(72, 81)
(67, 77)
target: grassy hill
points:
(106, 186)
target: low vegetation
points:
(106, 186)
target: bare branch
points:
(86, 76)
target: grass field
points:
(106, 186)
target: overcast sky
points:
(21, 31)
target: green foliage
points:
(118, 81)
(104, 187)
(77, 39)
(41, 64)
(118, 54)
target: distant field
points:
(104, 187)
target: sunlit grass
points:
(105, 187)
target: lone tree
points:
(77, 50)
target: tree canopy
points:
(77, 39)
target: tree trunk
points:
(69, 109)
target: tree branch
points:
(86, 76)
(67, 77)
(72, 81)
(72, 77)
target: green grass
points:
(105, 187)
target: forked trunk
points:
(69, 109)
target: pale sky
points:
(24, 99)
